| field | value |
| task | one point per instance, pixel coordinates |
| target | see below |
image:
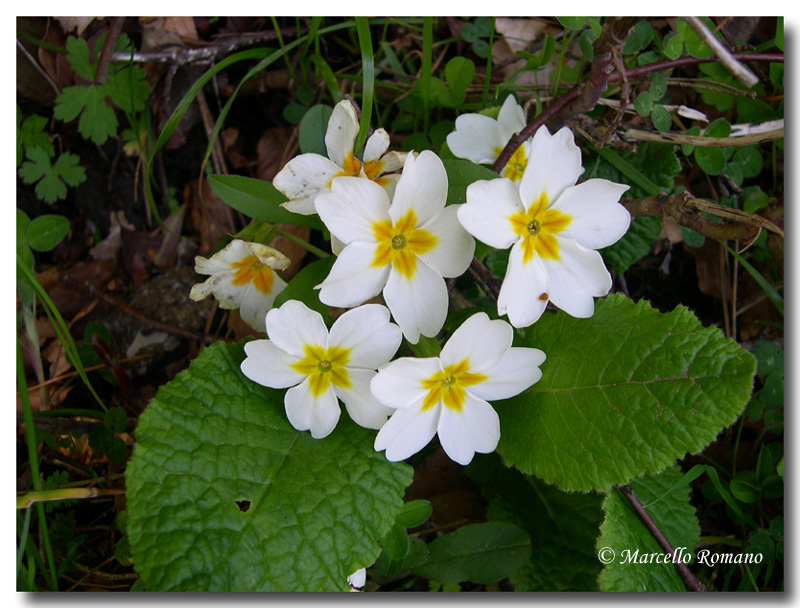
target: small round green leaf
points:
(745, 486)
(661, 118)
(769, 357)
(115, 419)
(395, 542)
(46, 231)
(643, 103)
(572, 23)
(710, 160)
(313, 126)
(414, 513)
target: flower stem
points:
(304, 244)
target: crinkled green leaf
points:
(624, 393)
(480, 553)
(623, 530)
(223, 494)
(636, 243)
(563, 527)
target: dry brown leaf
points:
(272, 152)
(517, 35)
(79, 24)
(211, 217)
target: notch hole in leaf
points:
(243, 505)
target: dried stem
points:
(684, 572)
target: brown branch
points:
(108, 47)
(684, 572)
(613, 36)
(489, 283)
(686, 210)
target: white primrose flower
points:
(553, 227)
(307, 175)
(480, 138)
(321, 367)
(403, 249)
(243, 277)
(448, 394)
(357, 580)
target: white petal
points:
(221, 287)
(307, 413)
(485, 214)
(598, 220)
(477, 138)
(422, 187)
(479, 339)
(294, 325)
(515, 372)
(361, 404)
(393, 161)
(254, 304)
(353, 279)
(376, 145)
(351, 208)
(399, 384)
(511, 117)
(222, 261)
(303, 178)
(407, 432)
(358, 578)
(554, 165)
(418, 304)
(454, 246)
(341, 133)
(576, 278)
(476, 428)
(269, 366)
(368, 334)
(525, 289)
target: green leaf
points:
(585, 42)
(640, 36)
(97, 119)
(623, 531)
(636, 243)
(692, 238)
(572, 23)
(23, 221)
(128, 88)
(629, 380)
(745, 487)
(301, 287)
(395, 542)
(460, 174)
(224, 495)
(46, 231)
(643, 104)
(52, 179)
(749, 159)
(458, 73)
(115, 419)
(779, 34)
(312, 130)
(258, 199)
(31, 134)
(661, 118)
(710, 160)
(387, 569)
(480, 553)
(658, 87)
(79, 58)
(769, 357)
(562, 527)
(414, 513)
(695, 45)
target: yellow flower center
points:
(399, 244)
(324, 366)
(448, 385)
(536, 227)
(352, 167)
(252, 270)
(515, 166)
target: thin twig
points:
(111, 39)
(38, 68)
(710, 142)
(741, 72)
(684, 572)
